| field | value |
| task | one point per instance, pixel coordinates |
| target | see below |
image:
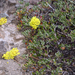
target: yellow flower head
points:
(34, 22)
(11, 54)
(3, 20)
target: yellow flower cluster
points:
(34, 22)
(11, 54)
(3, 20)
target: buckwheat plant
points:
(11, 54)
(34, 22)
(3, 20)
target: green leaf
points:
(48, 66)
(26, 33)
(72, 35)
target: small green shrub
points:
(51, 42)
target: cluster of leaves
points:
(52, 44)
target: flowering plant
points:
(34, 22)
(53, 40)
(11, 54)
(3, 20)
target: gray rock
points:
(2, 3)
(11, 2)
(4, 15)
(19, 37)
(2, 34)
(3, 48)
(2, 70)
(11, 10)
(14, 21)
(20, 59)
(18, 6)
(11, 44)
